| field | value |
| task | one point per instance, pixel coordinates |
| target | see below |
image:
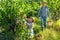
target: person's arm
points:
(39, 13)
(48, 12)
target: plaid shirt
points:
(43, 12)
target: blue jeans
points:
(43, 21)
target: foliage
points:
(12, 10)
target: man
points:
(43, 14)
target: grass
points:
(51, 33)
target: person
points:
(43, 14)
(30, 25)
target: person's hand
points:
(24, 17)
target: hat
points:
(44, 2)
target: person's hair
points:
(32, 19)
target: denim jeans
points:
(43, 21)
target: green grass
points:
(49, 33)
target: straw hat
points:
(44, 2)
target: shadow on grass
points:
(7, 35)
